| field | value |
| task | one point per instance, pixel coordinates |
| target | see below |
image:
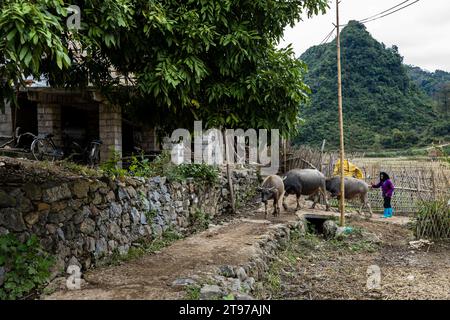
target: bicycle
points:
(16, 139)
(89, 155)
(43, 148)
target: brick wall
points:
(149, 139)
(110, 129)
(6, 121)
(49, 121)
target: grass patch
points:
(168, 237)
(150, 215)
(229, 297)
(200, 220)
(192, 292)
(273, 280)
(78, 169)
(302, 251)
(353, 242)
(362, 246)
(145, 247)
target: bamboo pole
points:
(341, 121)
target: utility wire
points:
(369, 19)
(388, 14)
(328, 36)
(378, 14)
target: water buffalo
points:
(305, 182)
(272, 188)
(353, 188)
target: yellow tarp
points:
(350, 170)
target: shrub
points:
(140, 167)
(161, 166)
(110, 167)
(433, 220)
(199, 172)
(446, 150)
(26, 264)
(143, 167)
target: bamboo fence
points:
(415, 182)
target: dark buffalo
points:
(305, 182)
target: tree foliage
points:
(437, 86)
(31, 42)
(383, 108)
(211, 60)
(26, 264)
(430, 82)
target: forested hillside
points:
(383, 107)
(437, 86)
(431, 82)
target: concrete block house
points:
(80, 115)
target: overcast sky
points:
(421, 31)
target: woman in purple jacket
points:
(387, 187)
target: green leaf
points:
(23, 52)
(11, 34)
(28, 58)
(59, 60)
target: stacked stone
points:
(88, 219)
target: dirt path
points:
(151, 276)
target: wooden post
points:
(341, 120)
(283, 148)
(433, 183)
(230, 180)
(418, 181)
(321, 155)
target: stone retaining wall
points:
(85, 220)
(241, 281)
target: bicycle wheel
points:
(42, 150)
(75, 153)
(94, 155)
